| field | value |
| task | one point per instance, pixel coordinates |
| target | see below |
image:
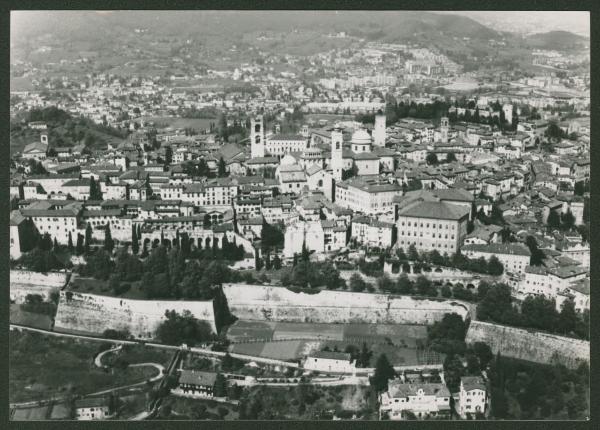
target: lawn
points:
(133, 354)
(245, 330)
(46, 366)
(19, 316)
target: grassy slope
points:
(45, 366)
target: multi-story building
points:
(404, 400)
(278, 145)
(319, 236)
(58, 219)
(370, 196)
(513, 256)
(372, 232)
(432, 225)
(472, 396)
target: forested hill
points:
(63, 130)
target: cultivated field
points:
(403, 344)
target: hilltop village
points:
(345, 249)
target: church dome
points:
(361, 137)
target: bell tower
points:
(337, 140)
(257, 136)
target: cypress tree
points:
(135, 246)
(88, 237)
(109, 244)
(79, 247)
(70, 243)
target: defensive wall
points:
(268, 303)
(24, 282)
(93, 313)
(529, 345)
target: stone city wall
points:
(24, 282)
(49, 279)
(95, 313)
(268, 303)
(529, 345)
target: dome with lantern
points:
(361, 141)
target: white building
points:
(328, 361)
(372, 232)
(278, 145)
(370, 196)
(319, 236)
(513, 256)
(95, 408)
(57, 221)
(472, 396)
(421, 400)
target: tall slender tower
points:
(257, 137)
(337, 164)
(379, 130)
(444, 125)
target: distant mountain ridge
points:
(377, 25)
(556, 40)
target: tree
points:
(385, 283)
(168, 155)
(567, 220)
(567, 319)
(483, 353)
(88, 237)
(448, 335)
(135, 245)
(109, 244)
(305, 254)
(45, 243)
(497, 305)
(413, 254)
(404, 284)
(182, 328)
(357, 284)
(220, 386)
(494, 266)
(537, 256)
(70, 244)
(431, 159)
(553, 220)
(79, 247)
(222, 171)
(450, 157)
(363, 358)
(453, 371)
(95, 193)
(383, 373)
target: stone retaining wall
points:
(268, 303)
(529, 345)
(95, 313)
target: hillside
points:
(63, 130)
(556, 40)
(98, 32)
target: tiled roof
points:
(434, 210)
